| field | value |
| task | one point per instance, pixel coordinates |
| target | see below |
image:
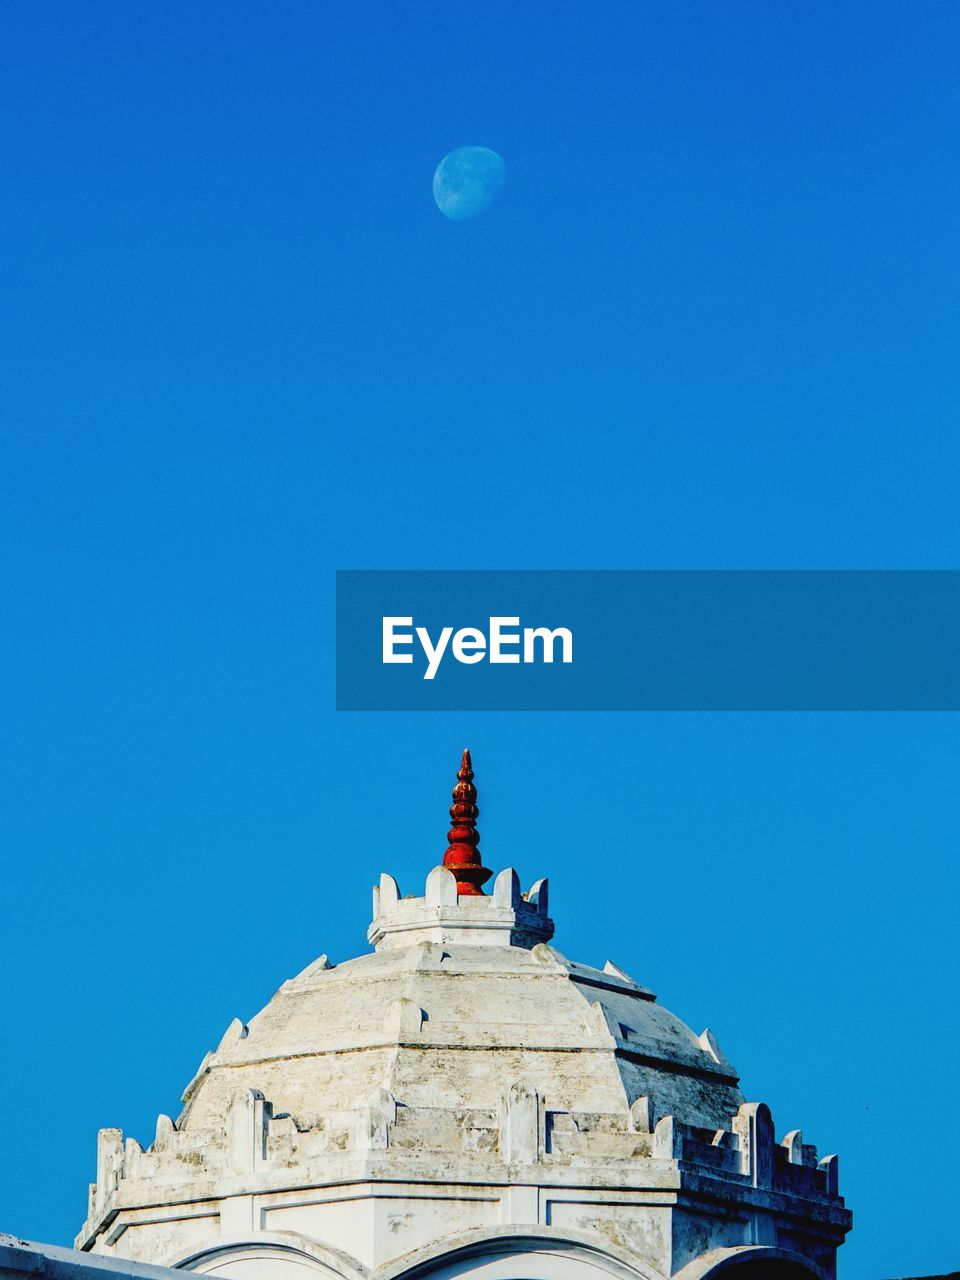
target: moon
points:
(467, 182)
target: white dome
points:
(459, 999)
(465, 1087)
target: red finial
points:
(463, 858)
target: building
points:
(465, 1102)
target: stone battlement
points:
(507, 917)
(632, 1149)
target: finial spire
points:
(463, 857)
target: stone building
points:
(464, 1101)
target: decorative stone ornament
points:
(463, 1101)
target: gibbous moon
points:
(467, 182)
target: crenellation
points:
(797, 1151)
(440, 889)
(234, 1033)
(753, 1125)
(109, 1165)
(247, 1123)
(315, 969)
(603, 1025)
(708, 1042)
(260, 1141)
(132, 1159)
(747, 1150)
(164, 1133)
(443, 915)
(538, 895)
(829, 1166)
(386, 895)
(507, 893)
(641, 1114)
(667, 1139)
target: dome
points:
(461, 994)
(461, 1091)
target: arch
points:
(750, 1262)
(232, 1255)
(536, 1253)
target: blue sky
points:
(710, 322)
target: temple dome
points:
(462, 994)
(465, 1088)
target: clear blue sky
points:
(712, 321)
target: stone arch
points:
(537, 1253)
(750, 1262)
(272, 1255)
